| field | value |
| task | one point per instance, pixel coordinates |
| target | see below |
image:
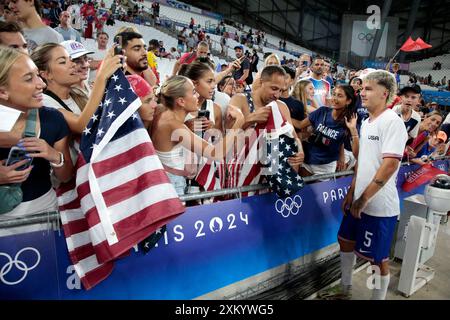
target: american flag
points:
(284, 181)
(121, 194)
(253, 161)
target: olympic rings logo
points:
(19, 264)
(289, 206)
(368, 37)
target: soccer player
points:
(372, 205)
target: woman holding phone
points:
(210, 114)
(21, 88)
(171, 136)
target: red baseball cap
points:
(139, 85)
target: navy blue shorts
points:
(372, 235)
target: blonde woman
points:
(303, 91)
(271, 60)
(171, 137)
(21, 88)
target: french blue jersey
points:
(332, 137)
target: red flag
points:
(417, 45)
(422, 44)
(408, 43)
(422, 175)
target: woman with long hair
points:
(21, 88)
(271, 60)
(227, 85)
(303, 91)
(428, 127)
(171, 137)
(59, 73)
(331, 126)
(202, 76)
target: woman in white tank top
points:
(171, 137)
(202, 76)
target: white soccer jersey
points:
(382, 137)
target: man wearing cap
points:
(410, 96)
(78, 54)
(434, 106)
(65, 28)
(242, 75)
(189, 57)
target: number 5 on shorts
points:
(368, 241)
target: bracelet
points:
(61, 161)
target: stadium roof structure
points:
(316, 24)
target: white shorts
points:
(321, 168)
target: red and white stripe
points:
(136, 197)
(245, 170)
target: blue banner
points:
(441, 97)
(382, 65)
(205, 249)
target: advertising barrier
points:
(441, 97)
(205, 249)
(382, 65)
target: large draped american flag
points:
(257, 156)
(121, 194)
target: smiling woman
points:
(60, 73)
(45, 144)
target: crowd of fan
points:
(49, 67)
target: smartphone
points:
(203, 113)
(118, 48)
(305, 63)
(17, 154)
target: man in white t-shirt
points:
(35, 31)
(372, 204)
(98, 55)
(410, 97)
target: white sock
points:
(380, 294)
(348, 260)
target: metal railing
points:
(50, 217)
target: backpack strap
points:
(58, 99)
(30, 128)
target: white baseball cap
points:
(75, 49)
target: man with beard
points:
(135, 50)
(322, 88)
(242, 75)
